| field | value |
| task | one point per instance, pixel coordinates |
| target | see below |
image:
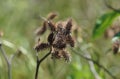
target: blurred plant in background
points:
(92, 57)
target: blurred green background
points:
(18, 21)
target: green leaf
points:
(103, 23)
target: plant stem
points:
(95, 62)
(37, 69)
(110, 7)
(39, 61)
(92, 67)
(9, 71)
(7, 60)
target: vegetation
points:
(85, 32)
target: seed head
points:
(58, 38)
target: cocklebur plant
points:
(57, 40)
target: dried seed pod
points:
(59, 27)
(59, 45)
(57, 39)
(41, 46)
(59, 42)
(66, 55)
(51, 38)
(52, 16)
(70, 40)
(56, 55)
(69, 26)
(52, 26)
(41, 30)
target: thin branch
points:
(39, 61)
(43, 18)
(110, 7)
(13, 56)
(95, 62)
(7, 60)
(92, 67)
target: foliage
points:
(103, 23)
(20, 18)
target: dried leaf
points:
(70, 40)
